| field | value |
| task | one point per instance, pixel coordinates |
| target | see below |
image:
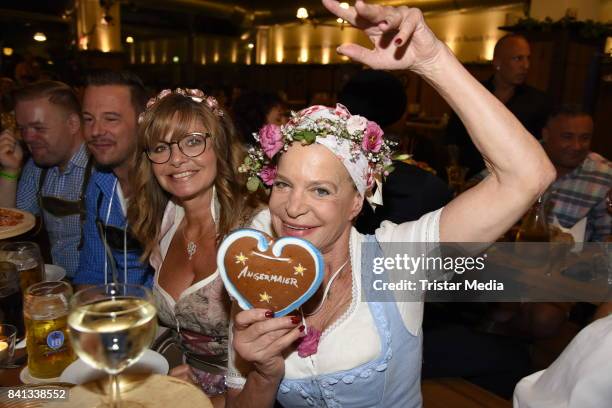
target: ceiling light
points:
(251, 46)
(8, 51)
(175, 59)
(129, 39)
(302, 13)
(339, 20)
(344, 5)
(40, 37)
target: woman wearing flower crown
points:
(344, 352)
(187, 196)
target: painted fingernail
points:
(295, 319)
(398, 41)
(269, 314)
(301, 328)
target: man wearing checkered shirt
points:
(53, 181)
(583, 177)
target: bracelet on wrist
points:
(9, 176)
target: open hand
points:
(11, 154)
(261, 340)
(400, 36)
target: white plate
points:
(54, 273)
(150, 362)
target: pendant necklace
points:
(192, 246)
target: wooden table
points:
(439, 393)
(548, 280)
(458, 393)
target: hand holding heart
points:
(261, 340)
(268, 278)
(275, 275)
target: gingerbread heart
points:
(262, 273)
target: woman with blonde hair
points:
(343, 351)
(187, 196)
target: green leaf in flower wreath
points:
(401, 157)
(309, 137)
(389, 169)
(247, 161)
(305, 137)
(252, 183)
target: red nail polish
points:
(398, 41)
(269, 314)
(295, 319)
(301, 328)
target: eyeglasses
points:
(191, 145)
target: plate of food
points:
(15, 222)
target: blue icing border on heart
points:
(263, 245)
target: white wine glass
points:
(111, 326)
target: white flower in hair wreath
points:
(365, 136)
(195, 95)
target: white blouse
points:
(580, 378)
(333, 354)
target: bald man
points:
(511, 62)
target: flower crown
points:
(368, 159)
(195, 95)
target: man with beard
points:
(112, 102)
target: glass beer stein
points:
(46, 320)
(26, 257)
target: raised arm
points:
(520, 169)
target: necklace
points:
(327, 288)
(310, 342)
(192, 247)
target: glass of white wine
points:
(111, 327)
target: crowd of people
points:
(142, 190)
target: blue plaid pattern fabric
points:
(582, 193)
(102, 203)
(64, 232)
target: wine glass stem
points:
(115, 400)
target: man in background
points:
(511, 61)
(53, 181)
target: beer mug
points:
(46, 314)
(26, 257)
(11, 298)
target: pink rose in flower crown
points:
(271, 140)
(372, 140)
(268, 174)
